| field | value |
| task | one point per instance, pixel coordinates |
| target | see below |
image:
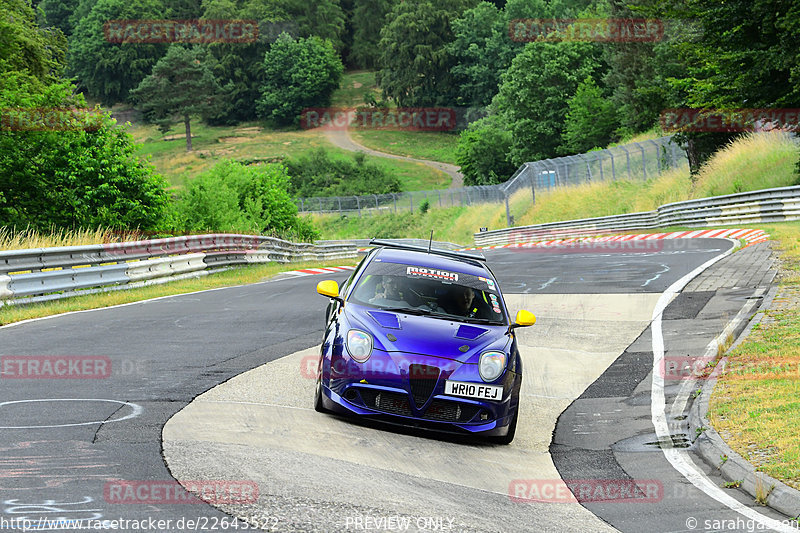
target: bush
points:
(232, 197)
(319, 175)
(483, 152)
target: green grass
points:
(435, 146)
(755, 404)
(251, 141)
(254, 141)
(238, 276)
(355, 86)
(754, 162)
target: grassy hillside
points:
(255, 141)
(753, 162)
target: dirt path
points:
(343, 140)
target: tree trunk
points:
(188, 133)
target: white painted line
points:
(136, 411)
(680, 459)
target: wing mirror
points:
(523, 320)
(329, 288)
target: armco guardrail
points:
(29, 275)
(767, 205)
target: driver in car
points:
(391, 294)
(461, 299)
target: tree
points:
(58, 14)
(483, 152)
(182, 84)
(323, 18)
(107, 70)
(591, 119)
(533, 99)
(298, 74)
(240, 66)
(482, 51)
(26, 47)
(747, 57)
(369, 17)
(415, 61)
(61, 166)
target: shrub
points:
(232, 197)
(483, 152)
(317, 174)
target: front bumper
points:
(408, 390)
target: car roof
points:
(432, 260)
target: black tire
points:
(318, 406)
(512, 430)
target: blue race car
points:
(421, 337)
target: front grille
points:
(450, 411)
(398, 404)
(388, 402)
(423, 379)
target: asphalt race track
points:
(94, 446)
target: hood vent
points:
(470, 332)
(387, 320)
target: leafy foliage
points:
(482, 51)
(533, 97)
(233, 197)
(26, 47)
(416, 64)
(322, 18)
(298, 74)
(74, 178)
(483, 150)
(369, 17)
(591, 119)
(58, 14)
(320, 175)
(107, 70)
(182, 84)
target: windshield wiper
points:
(408, 310)
(476, 320)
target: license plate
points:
(473, 390)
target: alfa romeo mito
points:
(421, 337)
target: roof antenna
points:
(430, 243)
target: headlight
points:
(359, 345)
(492, 365)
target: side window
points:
(343, 291)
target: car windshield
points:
(419, 290)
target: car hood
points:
(426, 335)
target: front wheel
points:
(512, 430)
(318, 407)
